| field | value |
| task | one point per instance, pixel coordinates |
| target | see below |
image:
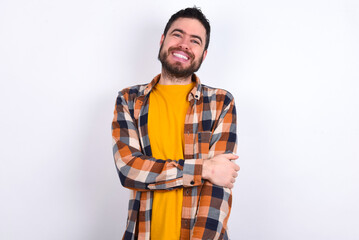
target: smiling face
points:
(182, 49)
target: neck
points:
(168, 79)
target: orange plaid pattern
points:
(210, 129)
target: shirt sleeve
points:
(224, 138)
(215, 202)
(138, 171)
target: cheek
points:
(199, 54)
(165, 46)
(172, 42)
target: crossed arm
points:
(143, 173)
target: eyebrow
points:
(183, 32)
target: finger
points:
(233, 180)
(235, 167)
(230, 156)
(235, 175)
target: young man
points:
(174, 140)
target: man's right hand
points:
(220, 170)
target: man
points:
(174, 140)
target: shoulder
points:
(216, 94)
(133, 92)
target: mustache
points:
(171, 49)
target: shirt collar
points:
(195, 92)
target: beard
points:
(176, 70)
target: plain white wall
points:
(291, 65)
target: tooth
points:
(180, 56)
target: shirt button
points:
(187, 191)
(192, 182)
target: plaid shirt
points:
(209, 129)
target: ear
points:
(204, 55)
(162, 39)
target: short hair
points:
(194, 13)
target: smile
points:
(180, 56)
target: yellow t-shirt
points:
(166, 117)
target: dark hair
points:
(194, 13)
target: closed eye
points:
(196, 42)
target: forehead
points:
(190, 26)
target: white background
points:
(293, 67)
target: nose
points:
(183, 46)
(184, 43)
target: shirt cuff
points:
(192, 172)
